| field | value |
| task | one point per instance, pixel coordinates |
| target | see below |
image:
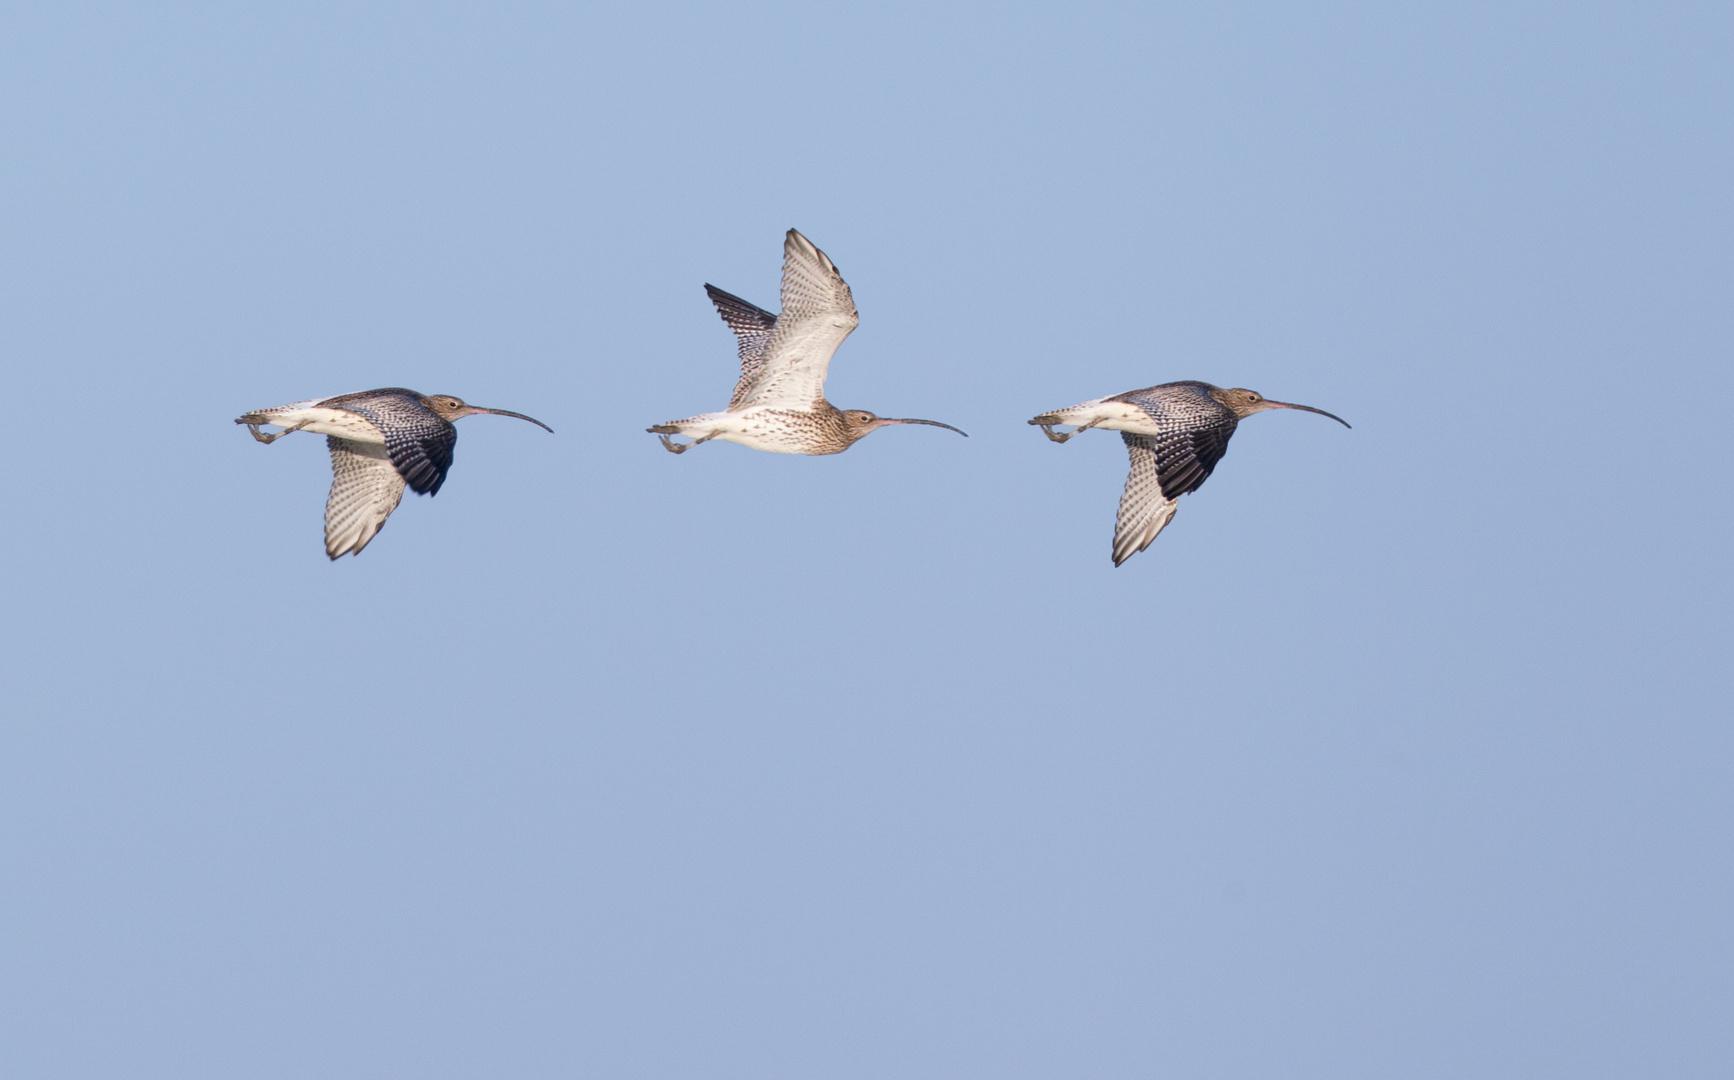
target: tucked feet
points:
(254, 421)
(1048, 422)
(663, 431)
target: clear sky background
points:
(1404, 752)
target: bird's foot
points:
(254, 425)
(665, 430)
(1048, 429)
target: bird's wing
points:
(1193, 430)
(1144, 509)
(818, 313)
(752, 326)
(1185, 457)
(365, 488)
(418, 441)
(422, 452)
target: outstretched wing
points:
(418, 441)
(1164, 467)
(1193, 430)
(1144, 509)
(818, 313)
(365, 488)
(752, 326)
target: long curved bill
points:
(519, 415)
(929, 423)
(1309, 408)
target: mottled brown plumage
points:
(779, 403)
(1175, 434)
(379, 441)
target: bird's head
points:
(450, 408)
(1246, 402)
(858, 423)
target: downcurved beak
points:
(1309, 408)
(503, 412)
(929, 423)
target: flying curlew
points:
(779, 404)
(1175, 434)
(379, 441)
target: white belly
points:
(1111, 416)
(758, 428)
(340, 422)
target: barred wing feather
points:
(818, 313)
(1186, 458)
(417, 440)
(752, 326)
(365, 488)
(1144, 509)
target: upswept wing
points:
(752, 326)
(818, 313)
(417, 440)
(365, 488)
(1144, 509)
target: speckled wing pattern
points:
(1194, 429)
(818, 313)
(417, 440)
(752, 326)
(1144, 510)
(1186, 458)
(365, 488)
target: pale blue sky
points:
(1404, 752)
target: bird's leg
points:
(680, 448)
(1048, 430)
(269, 439)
